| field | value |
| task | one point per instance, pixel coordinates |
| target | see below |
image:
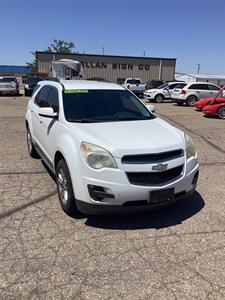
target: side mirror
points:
(151, 108)
(47, 112)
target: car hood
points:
(152, 90)
(131, 137)
(204, 101)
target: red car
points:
(215, 109)
(203, 102)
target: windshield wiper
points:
(81, 120)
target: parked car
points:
(108, 151)
(216, 107)
(9, 85)
(152, 84)
(30, 85)
(204, 102)
(135, 85)
(192, 92)
(162, 92)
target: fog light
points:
(98, 193)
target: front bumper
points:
(9, 91)
(148, 96)
(129, 197)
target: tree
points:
(33, 65)
(60, 46)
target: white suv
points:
(108, 151)
(192, 92)
(162, 92)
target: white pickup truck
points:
(135, 85)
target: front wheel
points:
(191, 100)
(65, 189)
(159, 98)
(221, 112)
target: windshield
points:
(8, 79)
(134, 81)
(33, 80)
(162, 86)
(103, 106)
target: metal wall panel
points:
(113, 67)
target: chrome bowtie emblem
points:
(160, 167)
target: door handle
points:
(32, 110)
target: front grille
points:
(154, 178)
(152, 158)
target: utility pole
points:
(199, 67)
(103, 51)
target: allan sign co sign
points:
(115, 66)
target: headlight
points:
(26, 86)
(97, 157)
(190, 148)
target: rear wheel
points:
(221, 112)
(159, 98)
(30, 145)
(65, 188)
(191, 100)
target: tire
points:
(159, 98)
(65, 189)
(26, 93)
(191, 100)
(30, 145)
(221, 112)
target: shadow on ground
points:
(162, 218)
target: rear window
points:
(8, 79)
(133, 81)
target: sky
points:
(193, 31)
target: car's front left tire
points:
(221, 112)
(65, 189)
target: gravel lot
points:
(174, 253)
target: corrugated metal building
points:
(216, 79)
(114, 68)
(6, 70)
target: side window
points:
(198, 86)
(172, 86)
(42, 97)
(213, 87)
(53, 99)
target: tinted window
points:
(133, 81)
(53, 99)
(198, 86)
(103, 106)
(213, 87)
(172, 86)
(9, 79)
(181, 85)
(33, 80)
(162, 86)
(42, 97)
